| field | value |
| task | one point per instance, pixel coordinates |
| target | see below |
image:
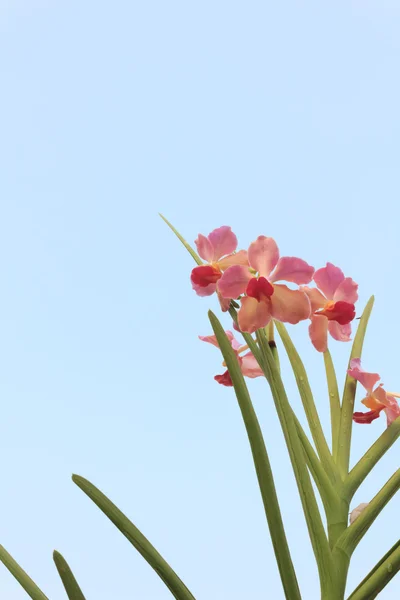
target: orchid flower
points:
(248, 364)
(332, 306)
(377, 399)
(218, 250)
(264, 298)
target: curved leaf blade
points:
(23, 578)
(175, 585)
(71, 586)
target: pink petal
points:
(204, 291)
(253, 315)
(289, 306)
(263, 255)
(224, 242)
(346, 291)
(368, 380)
(317, 300)
(234, 281)
(223, 302)
(224, 379)
(328, 279)
(318, 331)
(392, 411)
(292, 269)
(238, 258)
(211, 339)
(250, 367)
(204, 247)
(341, 333)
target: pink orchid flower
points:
(218, 250)
(248, 364)
(332, 306)
(377, 399)
(264, 298)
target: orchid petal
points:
(390, 404)
(263, 255)
(223, 302)
(250, 367)
(328, 279)
(224, 379)
(341, 333)
(289, 306)
(292, 269)
(238, 258)
(392, 412)
(367, 417)
(253, 315)
(204, 247)
(234, 281)
(211, 339)
(204, 291)
(317, 300)
(318, 331)
(368, 380)
(224, 241)
(346, 291)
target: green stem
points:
(308, 403)
(350, 538)
(23, 578)
(313, 518)
(71, 586)
(334, 402)
(365, 465)
(349, 393)
(188, 247)
(379, 576)
(261, 463)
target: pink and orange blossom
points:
(377, 399)
(248, 364)
(218, 250)
(332, 306)
(264, 298)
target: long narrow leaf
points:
(261, 463)
(71, 586)
(23, 578)
(350, 538)
(136, 538)
(365, 465)
(313, 518)
(308, 402)
(184, 242)
(379, 576)
(334, 402)
(349, 394)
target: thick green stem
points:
(308, 403)
(261, 463)
(379, 576)
(334, 402)
(314, 523)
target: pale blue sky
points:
(277, 118)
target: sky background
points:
(277, 118)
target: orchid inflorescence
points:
(262, 291)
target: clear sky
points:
(277, 118)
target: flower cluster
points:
(252, 276)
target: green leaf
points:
(71, 586)
(261, 463)
(308, 403)
(334, 402)
(379, 576)
(349, 394)
(313, 518)
(365, 465)
(184, 242)
(350, 538)
(23, 578)
(136, 538)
